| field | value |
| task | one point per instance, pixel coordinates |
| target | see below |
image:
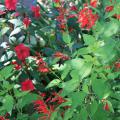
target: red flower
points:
(73, 8)
(41, 107)
(109, 8)
(61, 56)
(17, 67)
(26, 22)
(117, 16)
(42, 67)
(36, 11)
(58, 99)
(27, 85)
(56, 1)
(22, 52)
(117, 65)
(106, 107)
(11, 4)
(2, 118)
(86, 18)
(93, 3)
(2, 12)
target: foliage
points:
(61, 60)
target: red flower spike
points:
(27, 85)
(41, 107)
(109, 8)
(22, 52)
(106, 107)
(26, 22)
(36, 11)
(11, 4)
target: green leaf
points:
(66, 37)
(69, 86)
(22, 117)
(89, 39)
(111, 28)
(100, 87)
(8, 103)
(53, 83)
(77, 98)
(83, 114)
(27, 99)
(6, 72)
(4, 31)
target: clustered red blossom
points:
(27, 85)
(11, 4)
(86, 18)
(36, 11)
(41, 107)
(22, 51)
(45, 107)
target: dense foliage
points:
(61, 60)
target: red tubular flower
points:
(106, 107)
(22, 52)
(41, 107)
(27, 85)
(58, 98)
(36, 11)
(2, 118)
(26, 22)
(109, 8)
(11, 4)
(42, 67)
(61, 56)
(86, 18)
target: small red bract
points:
(22, 52)
(26, 22)
(106, 107)
(109, 8)
(27, 85)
